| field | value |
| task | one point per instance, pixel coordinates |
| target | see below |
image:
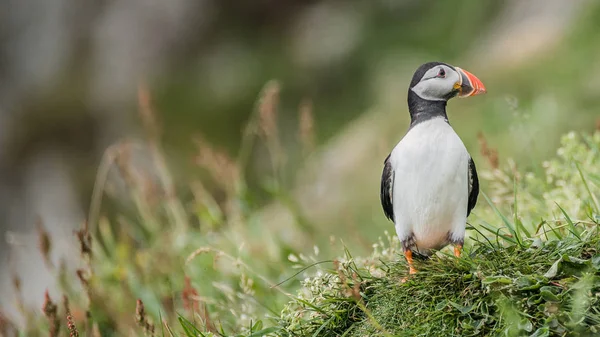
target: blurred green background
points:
(69, 75)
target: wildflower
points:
(73, 332)
(292, 258)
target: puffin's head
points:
(437, 81)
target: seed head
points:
(51, 312)
(73, 332)
(489, 153)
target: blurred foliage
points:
(184, 236)
(222, 278)
(200, 264)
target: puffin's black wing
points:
(387, 188)
(473, 186)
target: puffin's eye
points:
(442, 73)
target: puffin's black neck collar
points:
(421, 109)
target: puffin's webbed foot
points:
(457, 250)
(411, 268)
(409, 259)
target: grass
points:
(538, 288)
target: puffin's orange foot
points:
(411, 268)
(457, 250)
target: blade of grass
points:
(572, 228)
(168, 328)
(316, 334)
(162, 328)
(189, 328)
(312, 306)
(300, 271)
(518, 223)
(265, 331)
(496, 232)
(587, 187)
(595, 178)
(504, 219)
(484, 236)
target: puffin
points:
(429, 183)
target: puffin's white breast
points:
(430, 183)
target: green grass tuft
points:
(536, 288)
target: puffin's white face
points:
(442, 82)
(438, 84)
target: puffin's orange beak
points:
(469, 84)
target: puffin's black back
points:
(422, 70)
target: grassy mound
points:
(523, 276)
(535, 287)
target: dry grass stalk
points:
(349, 291)
(84, 275)
(269, 103)
(51, 312)
(150, 191)
(191, 303)
(336, 266)
(73, 332)
(489, 153)
(189, 297)
(85, 242)
(205, 199)
(146, 112)
(306, 130)
(44, 242)
(222, 168)
(16, 281)
(175, 209)
(4, 325)
(96, 331)
(268, 110)
(141, 319)
(199, 251)
(82, 278)
(7, 328)
(135, 180)
(20, 303)
(167, 327)
(123, 161)
(355, 292)
(209, 325)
